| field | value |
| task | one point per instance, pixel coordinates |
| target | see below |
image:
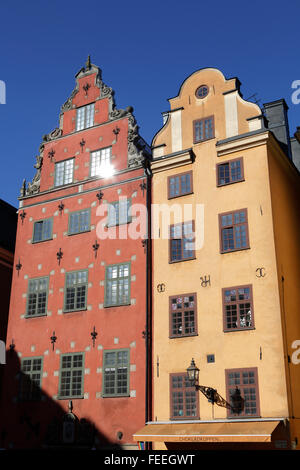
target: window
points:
(64, 172)
(180, 185)
(204, 129)
(238, 308)
(31, 378)
(247, 381)
(202, 91)
(37, 297)
(71, 375)
(116, 373)
(183, 397)
(76, 291)
(42, 230)
(230, 172)
(100, 161)
(182, 245)
(183, 315)
(117, 285)
(234, 231)
(119, 212)
(79, 221)
(85, 117)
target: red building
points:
(76, 370)
(8, 215)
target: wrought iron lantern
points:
(193, 372)
(212, 395)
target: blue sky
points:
(145, 51)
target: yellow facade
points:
(270, 193)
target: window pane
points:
(71, 375)
(37, 297)
(224, 177)
(76, 290)
(85, 117)
(116, 373)
(236, 172)
(38, 231)
(79, 221)
(204, 129)
(31, 376)
(117, 285)
(227, 239)
(183, 397)
(64, 172)
(100, 161)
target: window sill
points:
(204, 140)
(184, 418)
(237, 249)
(250, 328)
(180, 195)
(117, 305)
(127, 395)
(181, 260)
(231, 182)
(79, 233)
(36, 316)
(183, 336)
(75, 310)
(41, 241)
(77, 397)
(119, 224)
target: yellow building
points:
(226, 272)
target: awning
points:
(254, 431)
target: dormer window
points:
(85, 117)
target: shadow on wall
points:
(31, 419)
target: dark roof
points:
(8, 226)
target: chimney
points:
(276, 114)
(295, 146)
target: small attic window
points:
(202, 91)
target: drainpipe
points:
(148, 335)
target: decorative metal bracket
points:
(161, 288)
(86, 88)
(205, 282)
(143, 187)
(94, 335)
(145, 334)
(145, 243)
(53, 340)
(18, 266)
(23, 215)
(260, 272)
(99, 196)
(51, 154)
(59, 255)
(61, 207)
(96, 247)
(116, 131)
(214, 398)
(82, 144)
